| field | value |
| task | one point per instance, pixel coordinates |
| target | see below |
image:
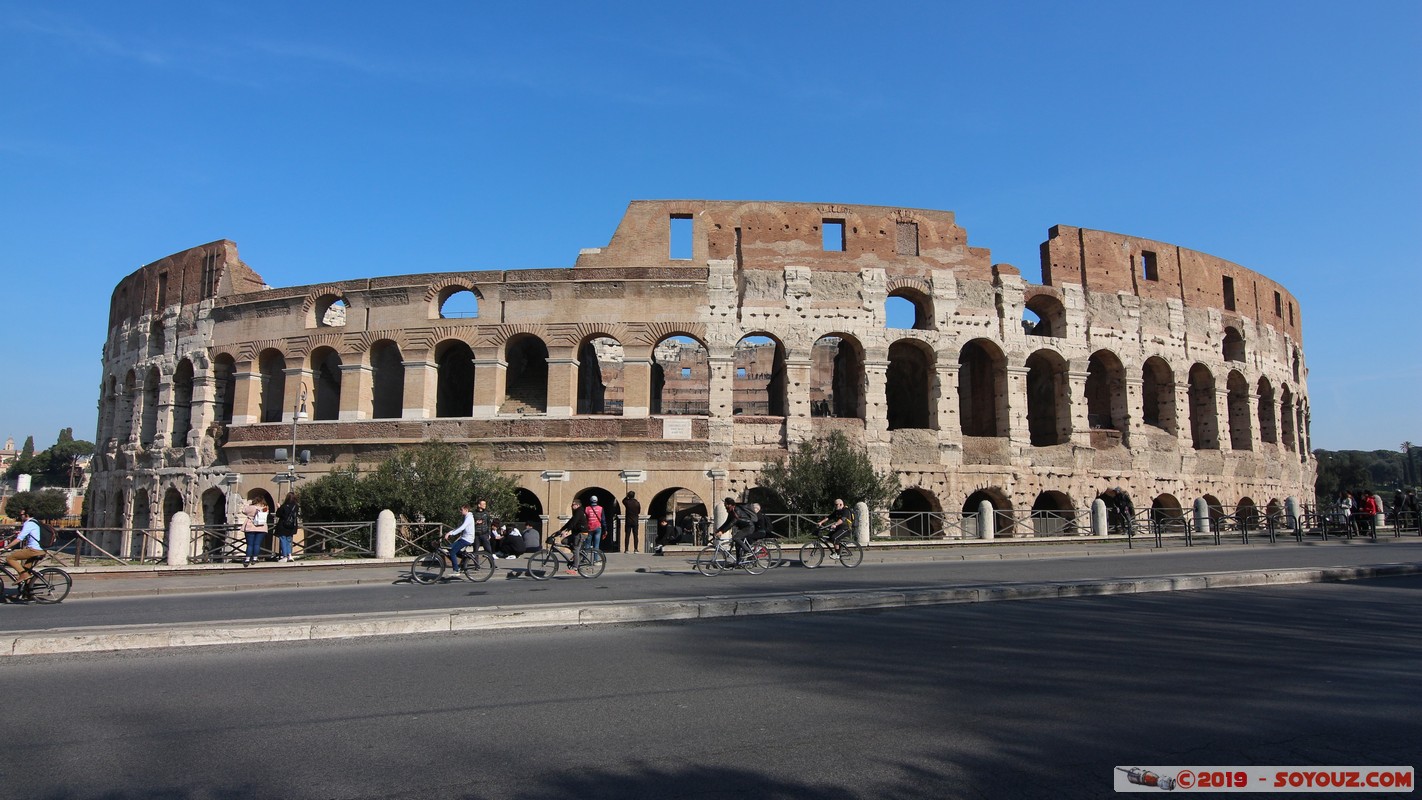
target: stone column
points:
(1183, 435)
(246, 394)
(1077, 417)
(163, 420)
(636, 382)
(798, 375)
(1135, 410)
(490, 374)
(421, 384)
(357, 382)
(296, 379)
(1018, 430)
(562, 383)
(204, 405)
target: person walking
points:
(288, 516)
(254, 527)
(631, 525)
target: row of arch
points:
(680, 380)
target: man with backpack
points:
(740, 521)
(841, 517)
(27, 545)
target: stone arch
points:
(1204, 421)
(530, 508)
(454, 300)
(1054, 514)
(224, 386)
(142, 514)
(1048, 399)
(214, 507)
(326, 309)
(982, 389)
(172, 504)
(1106, 407)
(1248, 514)
(126, 406)
(688, 511)
(1241, 433)
(182, 403)
(910, 386)
(916, 512)
(387, 380)
(148, 433)
(1158, 394)
(1216, 508)
(681, 376)
(271, 364)
(1233, 344)
(1297, 370)
(454, 368)
(326, 381)
(156, 338)
(1001, 505)
(1166, 512)
(1044, 315)
(1286, 419)
(1268, 430)
(759, 383)
(601, 385)
(914, 306)
(840, 358)
(526, 380)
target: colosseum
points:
(706, 339)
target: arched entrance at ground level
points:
(608, 509)
(172, 504)
(1053, 514)
(1216, 509)
(1165, 512)
(1248, 514)
(214, 507)
(530, 509)
(1275, 508)
(914, 514)
(682, 509)
(1002, 509)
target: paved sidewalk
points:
(1347, 561)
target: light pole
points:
(298, 414)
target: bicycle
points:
(720, 556)
(771, 542)
(838, 548)
(543, 564)
(48, 585)
(429, 567)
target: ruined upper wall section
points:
(771, 236)
(183, 278)
(1101, 261)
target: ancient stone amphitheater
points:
(706, 339)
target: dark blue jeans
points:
(254, 544)
(454, 548)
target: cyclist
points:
(841, 518)
(466, 535)
(740, 520)
(27, 546)
(484, 526)
(577, 528)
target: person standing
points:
(631, 527)
(254, 527)
(288, 516)
(483, 526)
(594, 514)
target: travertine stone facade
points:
(707, 338)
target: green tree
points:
(29, 447)
(50, 504)
(427, 482)
(825, 468)
(338, 496)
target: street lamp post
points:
(298, 414)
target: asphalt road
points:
(999, 700)
(674, 578)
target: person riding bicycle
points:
(466, 535)
(841, 517)
(740, 521)
(577, 529)
(762, 524)
(26, 546)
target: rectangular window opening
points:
(681, 230)
(906, 239)
(740, 372)
(162, 291)
(1291, 313)
(1150, 270)
(686, 372)
(1229, 293)
(833, 230)
(739, 259)
(1278, 305)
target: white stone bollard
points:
(1295, 512)
(861, 523)
(987, 522)
(385, 534)
(1202, 515)
(1100, 525)
(179, 539)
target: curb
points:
(340, 626)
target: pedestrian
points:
(595, 515)
(254, 527)
(665, 533)
(509, 541)
(762, 524)
(1410, 517)
(631, 526)
(1367, 514)
(288, 517)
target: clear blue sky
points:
(333, 141)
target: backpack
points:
(745, 518)
(286, 516)
(260, 518)
(47, 536)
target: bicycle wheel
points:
(812, 554)
(542, 565)
(50, 585)
(594, 562)
(772, 552)
(850, 553)
(479, 567)
(706, 562)
(428, 567)
(757, 559)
